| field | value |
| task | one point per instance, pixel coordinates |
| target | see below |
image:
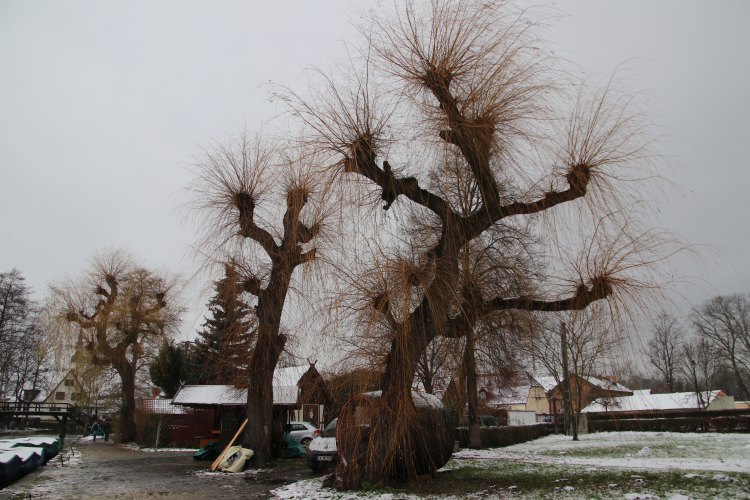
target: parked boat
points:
(10, 467)
(22, 455)
(50, 445)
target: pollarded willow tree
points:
(121, 312)
(259, 210)
(450, 89)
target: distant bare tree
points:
(437, 364)
(243, 188)
(665, 348)
(701, 365)
(582, 340)
(23, 346)
(122, 311)
(725, 321)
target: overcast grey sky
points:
(105, 104)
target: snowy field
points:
(632, 450)
(630, 465)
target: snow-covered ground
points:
(632, 450)
(135, 447)
(642, 465)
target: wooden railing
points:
(46, 409)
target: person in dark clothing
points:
(96, 429)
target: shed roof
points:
(285, 391)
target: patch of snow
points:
(722, 478)
(639, 496)
(169, 450)
(691, 476)
(700, 452)
(135, 447)
(569, 488)
(678, 496)
(644, 452)
(220, 474)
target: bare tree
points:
(664, 349)
(122, 311)
(701, 365)
(576, 346)
(725, 321)
(242, 189)
(23, 347)
(437, 364)
(461, 87)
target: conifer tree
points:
(228, 332)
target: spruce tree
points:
(228, 333)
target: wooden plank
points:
(218, 460)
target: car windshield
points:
(330, 430)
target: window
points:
(59, 396)
(68, 382)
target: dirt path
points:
(104, 470)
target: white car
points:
(323, 452)
(303, 432)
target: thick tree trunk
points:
(259, 430)
(127, 412)
(409, 441)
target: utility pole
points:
(698, 395)
(567, 402)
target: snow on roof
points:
(547, 382)
(607, 384)
(421, 399)
(222, 395)
(506, 389)
(159, 406)
(510, 396)
(285, 391)
(644, 400)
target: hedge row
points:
(738, 423)
(495, 437)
